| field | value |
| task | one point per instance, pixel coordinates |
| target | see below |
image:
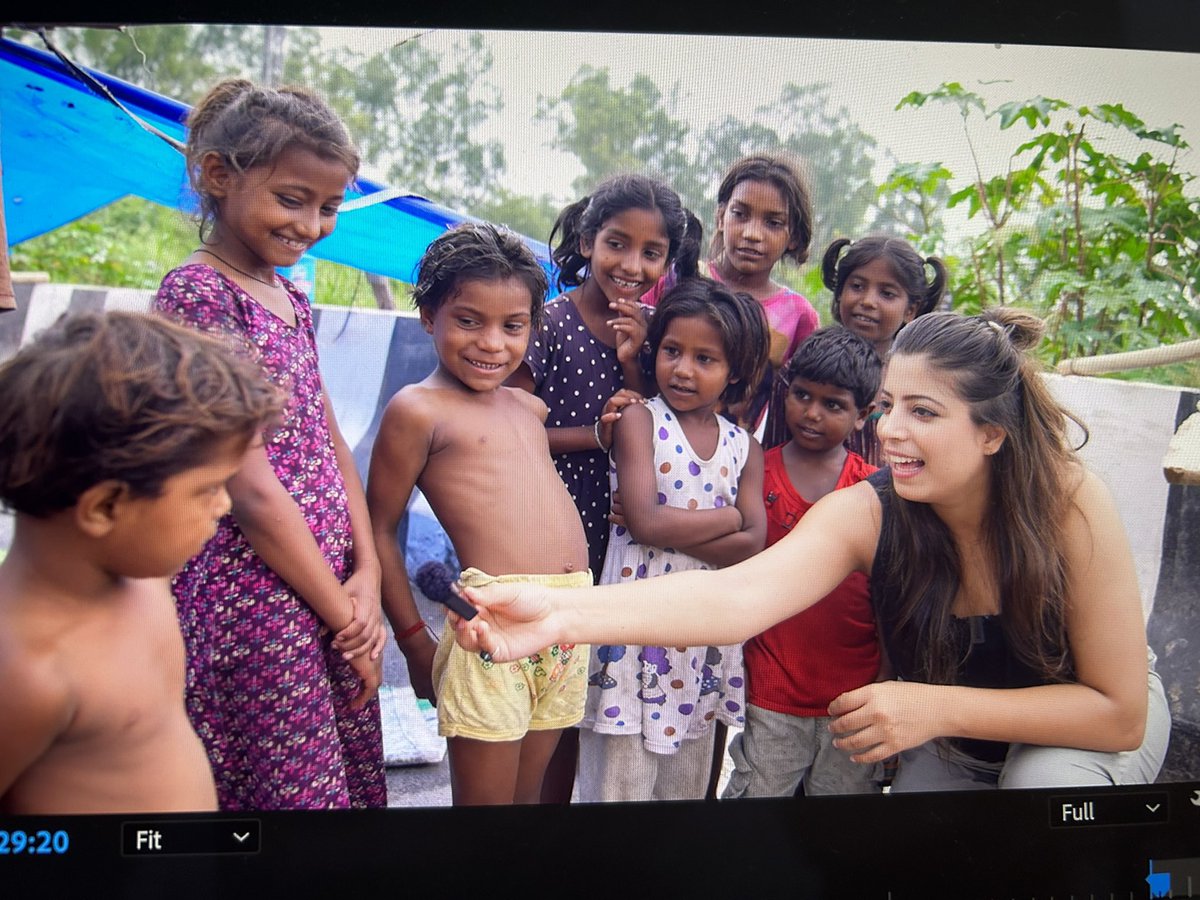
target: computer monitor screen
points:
(1048, 168)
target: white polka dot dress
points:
(670, 693)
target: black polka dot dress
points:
(575, 374)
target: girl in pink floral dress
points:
(280, 611)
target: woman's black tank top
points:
(988, 660)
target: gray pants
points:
(776, 753)
(937, 766)
(618, 767)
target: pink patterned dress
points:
(266, 692)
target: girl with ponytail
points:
(585, 361)
(879, 285)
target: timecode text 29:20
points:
(33, 842)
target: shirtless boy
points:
(478, 452)
(117, 435)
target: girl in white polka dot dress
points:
(687, 494)
(584, 362)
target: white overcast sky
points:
(721, 75)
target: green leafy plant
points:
(129, 243)
(1104, 244)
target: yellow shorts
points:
(489, 701)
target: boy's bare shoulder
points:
(415, 402)
(34, 686)
(534, 404)
(33, 634)
(414, 411)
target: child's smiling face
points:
(271, 214)
(873, 305)
(628, 254)
(481, 331)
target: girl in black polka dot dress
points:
(584, 362)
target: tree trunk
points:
(381, 290)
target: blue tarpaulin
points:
(67, 151)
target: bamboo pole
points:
(1181, 465)
(1131, 359)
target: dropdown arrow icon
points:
(1153, 808)
(241, 838)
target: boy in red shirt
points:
(795, 669)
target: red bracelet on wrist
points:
(409, 632)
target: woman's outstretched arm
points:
(836, 537)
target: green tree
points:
(530, 216)
(613, 129)
(180, 61)
(910, 202)
(1107, 247)
(411, 113)
(837, 154)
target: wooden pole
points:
(8, 298)
(1181, 465)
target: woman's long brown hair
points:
(1032, 479)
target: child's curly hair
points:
(835, 355)
(477, 251)
(124, 396)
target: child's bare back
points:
(93, 702)
(488, 475)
